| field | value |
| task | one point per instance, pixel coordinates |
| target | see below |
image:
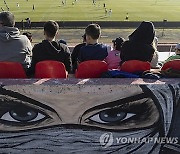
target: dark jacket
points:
(47, 50)
(139, 46)
(93, 52)
(75, 55)
(136, 51)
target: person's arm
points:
(67, 61)
(74, 57)
(31, 70)
(80, 56)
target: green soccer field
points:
(84, 10)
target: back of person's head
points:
(177, 49)
(118, 42)
(29, 35)
(7, 19)
(93, 30)
(145, 33)
(63, 41)
(51, 28)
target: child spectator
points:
(177, 54)
(140, 44)
(50, 49)
(29, 35)
(113, 59)
(93, 50)
(75, 53)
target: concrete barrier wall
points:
(104, 24)
(90, 116)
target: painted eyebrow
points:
(118, 102)
(24, 98)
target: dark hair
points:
(118, 42)
(51, 27)
(7, 19)
(93, 30)
(29, 35)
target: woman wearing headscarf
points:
(140, 44)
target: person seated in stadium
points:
(140, 44)
(113, 59)
(93, 50)
(155, 59)
(177, 54)
(13, 46)
(29, 35)
(75, 53)
(50, 49)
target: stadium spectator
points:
(113, 59)
(29, 35)
(177, 54)
(155, 59)
(50, 49)
(93, 50)
(13, 46)
(140, 44)
(75, 53)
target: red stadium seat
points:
(50, 69)
(174, 64)
(91, 69)
(12, 70)
(133, 66)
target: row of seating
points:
(87, 69)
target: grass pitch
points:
(85, 10)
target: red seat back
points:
(132, 66)
(12, 70)
(174, 64)
(91, 69)
(50, 69)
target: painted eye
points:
(111, 116)
(23, 115)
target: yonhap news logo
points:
(106, 140)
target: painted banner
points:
(89, 116)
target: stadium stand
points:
(173, 64)
(132, 66)
(91, 69)
(12, 70)
(50, 69)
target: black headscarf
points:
(144, 33)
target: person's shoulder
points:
(23, 38)
(64, 48)
(114, 52)
(37, 47)
(80, 45)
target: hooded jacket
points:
(139, 46)
(47, 50)
(14, 47)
